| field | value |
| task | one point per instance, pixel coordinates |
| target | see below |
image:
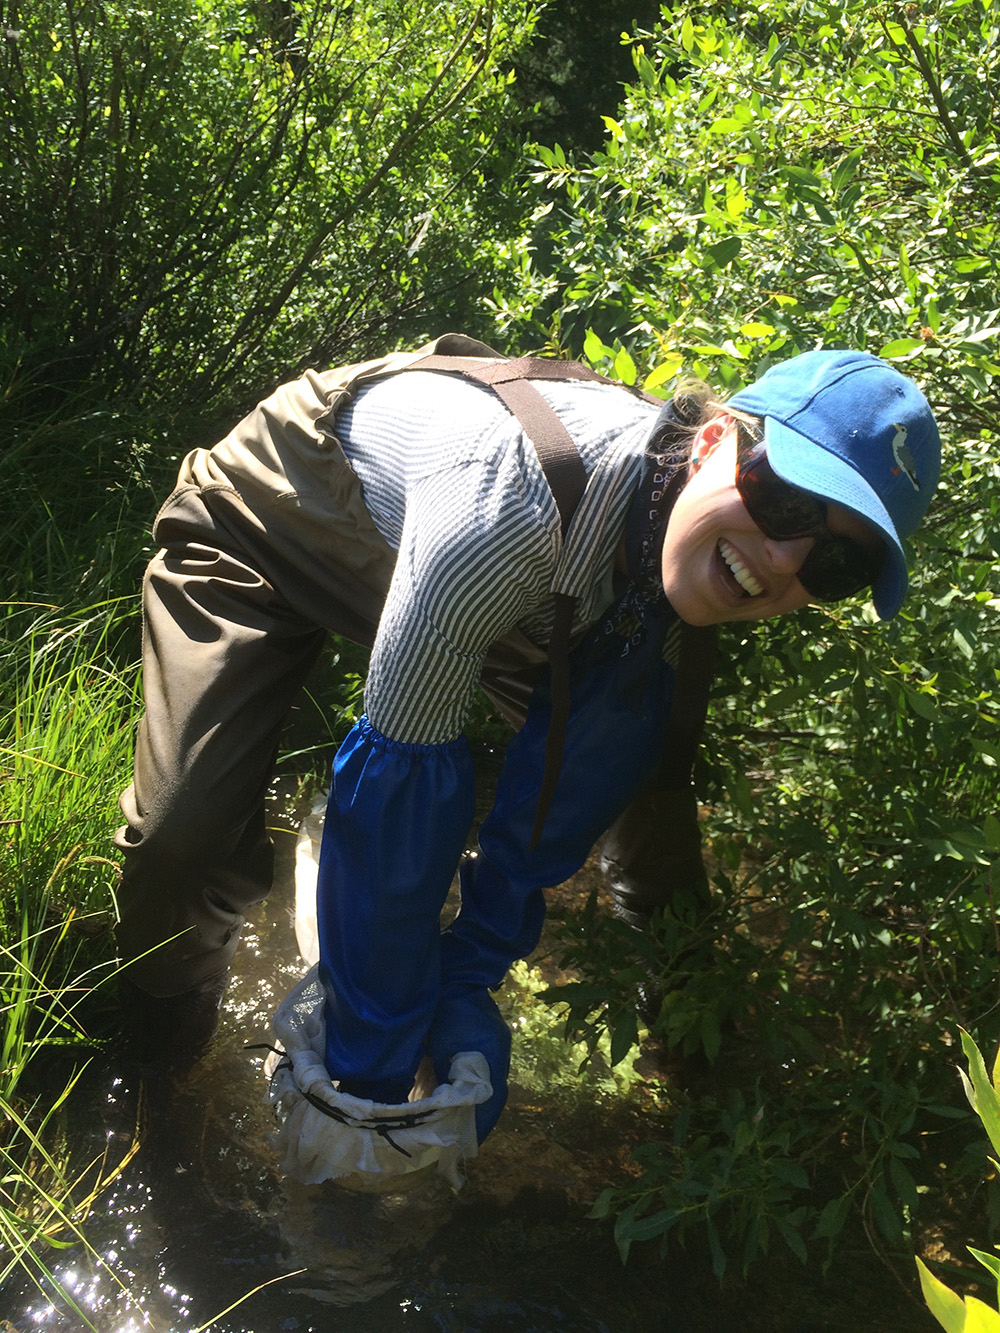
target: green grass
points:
(65, 742)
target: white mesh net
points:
(325, 1134)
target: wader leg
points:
(224, 657)
(651, 855)
(237, 601)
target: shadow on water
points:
(201, 1216)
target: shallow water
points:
(201, 1216)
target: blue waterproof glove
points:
(472, 1022)
(614, 739)
(396, 824)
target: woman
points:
(411, 511)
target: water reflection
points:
(200, 1216)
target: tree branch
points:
(934, 84)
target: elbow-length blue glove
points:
(396, 824)
(620, 703)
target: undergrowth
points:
(68, 706)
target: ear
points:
(709, 437)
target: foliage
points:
(796, 185)
(573, 70)
(780, 177)
(203, 196)
(542, 1060)
(64, 750)
(952, 1313)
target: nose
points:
(786, 557)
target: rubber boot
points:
(174, 1031)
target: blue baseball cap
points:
(848, 427)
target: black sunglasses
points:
(836, 566)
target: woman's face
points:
(717, 564)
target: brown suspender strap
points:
(561, 463)
(695, 671)
(558, 455)
(567, 480)
(555, 737)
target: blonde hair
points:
(696, 403)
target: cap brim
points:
(804, 463)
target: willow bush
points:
(199, 197)
(779, 177)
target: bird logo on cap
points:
(903, 456)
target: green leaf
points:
(666, 370)
(845, 169)
(822, 212)
(947, 1308)
(625, 367)
(971, 264)
(736, 204)
(922, 704)
(725, 251)
(904, 1184)
(962, 643)
(710, 1034)
(979, 1318)
(602, 1205)
(804, 176)
(644, 68)
(715, 1246)
(656, 1224)
(594, 349)
(624, 1036)
(886, 1216)
(901, 347)
(980, 1091)
(991, 1262)
(793, 1239)
(833, 1218)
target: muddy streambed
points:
(200, 1216)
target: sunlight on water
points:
(200, 1217)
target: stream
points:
(201, 1216)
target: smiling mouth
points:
(746, 581)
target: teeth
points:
(739, 570)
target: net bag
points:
(324, 1134)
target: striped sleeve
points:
(476, 556)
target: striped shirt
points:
(455, 487)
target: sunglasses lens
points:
(837, 567)
(780, 510)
